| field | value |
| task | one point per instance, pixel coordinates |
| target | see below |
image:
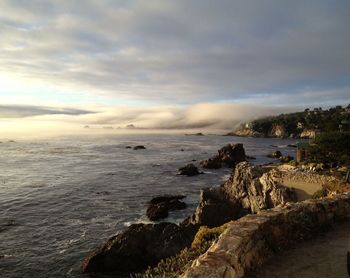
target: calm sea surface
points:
(61, 198)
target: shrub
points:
(175, 266)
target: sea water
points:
(62, 198)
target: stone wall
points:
(250, 241)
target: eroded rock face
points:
(248, 190)
(256, 190)
(141, 245)
(214, 208)
(278, 131)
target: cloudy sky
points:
(170, 62)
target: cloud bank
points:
(207, 117)
(182, 52)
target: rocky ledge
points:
(250, 241)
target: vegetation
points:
(331, 149)
(320, 193)
(175, 266)
(293, 123)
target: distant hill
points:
(306, 124)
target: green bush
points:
(332, 148)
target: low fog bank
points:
(32, 121)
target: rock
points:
(127, 147)
(291, 146)
(159, 207)
(231, 154)
(275, 154)
(140, 147)
(286, 159)
(256, 190)
(214, 209)
(308, 133)
(140, 246)
(278, 131)
(248, 190)
(211, 163)
(189, 170)
(157, 212)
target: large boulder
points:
(160, 206)
(140, 246)
(189, 170)
(230, 155)
(214, 209)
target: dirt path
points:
(323, 256)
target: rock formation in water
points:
(140, 246)
(160, 206)
(249, 190)
(229, 155)
(189, 170)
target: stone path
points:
(323, 256)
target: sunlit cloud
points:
(178, 52)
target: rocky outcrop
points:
(308, 133)
(248, 190)
(250, 241)
(214, 208)
(160, 206)
(140, 246)
(256, 190)
(229, 155)
(189, 170)
(278, 131)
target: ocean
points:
(62, 198)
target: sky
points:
(170, 63)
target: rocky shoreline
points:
(249, 189)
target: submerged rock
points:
(189, 170)
(140, 246)
(286, 159)
(140, 147)
(160, 206)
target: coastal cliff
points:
(305, 124)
